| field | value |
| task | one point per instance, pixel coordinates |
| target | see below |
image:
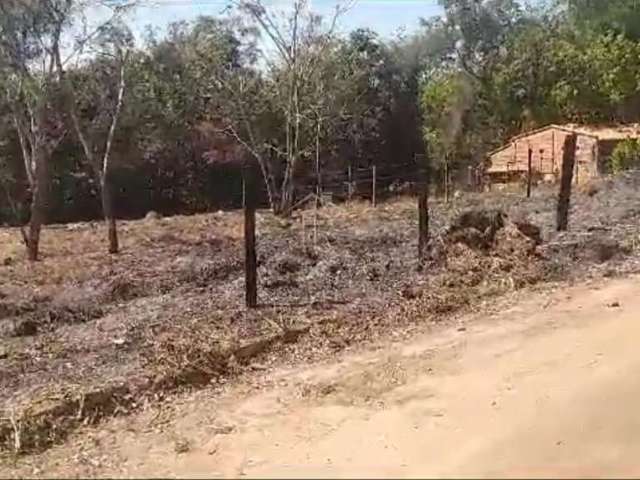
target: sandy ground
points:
(547, 388)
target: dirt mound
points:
(490, 229)
(482, 253)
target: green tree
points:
(446, 100)
(610, 16)
(626, 155)
(586, 72)
(482, 27)
(30, 33)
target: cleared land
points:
(86, 336)
(545, 388)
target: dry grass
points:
(168, 311)
(76, 252)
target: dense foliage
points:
(625, 155)
(515, 69)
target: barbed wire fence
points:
(363, 183)
(374, 183)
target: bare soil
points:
(544, 388)
(85, 336)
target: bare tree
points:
(114, 47)
(297, 41)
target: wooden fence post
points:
(446, 178)
(244, 192)
(423, 209)
(564, 197)
(251, 262)
(373, 187)
(529, 161)
(315, 217)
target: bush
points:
(626, 155)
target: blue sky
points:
(384, 16)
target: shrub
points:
(626, 155)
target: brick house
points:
(594, 145)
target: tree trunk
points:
(564, 197)
(446, 180)
(423, 212)
(109, 217)
(286, 200)
(529, 173)
(373, 186)
(35, 224)
(318, 171)
(250, 259)
(272, 190)
(38, 206)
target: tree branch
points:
(26, 154)
(116, 115)
(71, 101)
(260, 15)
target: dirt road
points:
(550, 387)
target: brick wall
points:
(547, 149)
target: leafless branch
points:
(117, 12)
